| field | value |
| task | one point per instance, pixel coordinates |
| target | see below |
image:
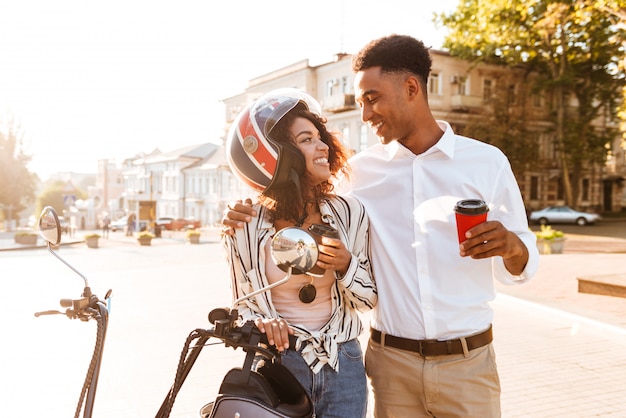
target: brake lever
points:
(51, 312)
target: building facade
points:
(195, 182)
(460, 94)
(192, 183)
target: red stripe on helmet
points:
(265, 156)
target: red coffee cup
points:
(469, 213)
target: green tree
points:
(52, 195)
(17, 183)
(574, 47)
(504, 124)
(617, 8)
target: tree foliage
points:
(504, 125)
(617, 9)
(576, 49)
(17, 183)
(52, 195)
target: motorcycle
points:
(87, 307)
(262, 387)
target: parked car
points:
(180, 224)
(119, 224)
(563, 215)
(164, 222)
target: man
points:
(430, 351)
(106, 221)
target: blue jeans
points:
(334, 395)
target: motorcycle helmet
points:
(253, 155)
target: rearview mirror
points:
(294, 248)
(49, 226)
(294, 251)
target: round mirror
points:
(296, 248)
(49, 226)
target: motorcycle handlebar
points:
(246, 336)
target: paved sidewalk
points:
(7, 242)
(553, 364)
(556, 284)
(560, 352)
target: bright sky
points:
(88, 80)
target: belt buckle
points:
(421, 344)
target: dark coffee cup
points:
(469, 213)
(318, 231)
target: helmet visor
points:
(273, 106)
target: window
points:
(560, 191)
(585, 189)
(363, 138)
(434, 84)
(345, 85)
(461, 88)
(487, 89)
(329, 87)
(534, 188)
(336, 86)
(511, 99)
(345, 133)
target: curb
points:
(37, 246)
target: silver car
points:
(563, 215)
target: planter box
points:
(193, 239)
(92, 242)
(26, 239)
(145, 241)
(550, 246)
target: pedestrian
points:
(319, 312)
(130, 224)
(430, 351)
(106, 221)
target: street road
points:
(160, 294)
(609, 227)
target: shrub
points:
(25, 234)
(191, 232)
(548, 233)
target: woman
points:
(280, 146)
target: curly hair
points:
(395, 54)
(282, 202)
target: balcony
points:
(466, 104)
(339, 103)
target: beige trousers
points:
(406, 384)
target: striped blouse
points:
(353, 292)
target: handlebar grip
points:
(292, 340)
(66, 303)
(264, 339)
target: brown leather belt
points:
(434, 347)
